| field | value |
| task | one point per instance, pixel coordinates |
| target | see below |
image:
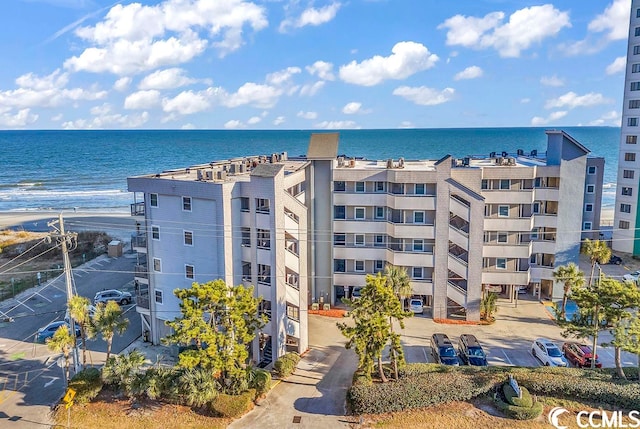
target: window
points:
(244, 204)
(379, 265)
(588, 207)
(537, 183)
(153, 200)
(339, 239)
(635, 68)
(155, 232)
(503, 237)
(418, 245)
(627, 191)
(591, 189)
(158, 295)
(628, 174)
(623, 224)
(536, 207)
(188, 238)
(339, 265)
(380, 186)
(636, 50)
(359, 240)
(629, 156)
(632, 122)
(638, 13)
(189, 271)
(417, 272)
(625, 208)
(379, 241)
(293, 312)
(246, 236)
(339, 186)
(634, 104)
(339, 212)
(246, 271)
(264, 238)
(505, 183)
(635, 86)
(591, 169)
(586, 226)
(157, 265)
(420, 189)
(359, 213)
(501, 263)
(534, 233)
(262, 205)
(637, 31)
(186, 204)
(503, 211)
(379, 212)
(359, 186)
(359, 266)
(632, 139)
(418, 217)
(484, 184)
(264, 274)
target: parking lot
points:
(507, 342)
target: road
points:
(30, 380)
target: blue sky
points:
(311, 64)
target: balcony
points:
(139, 242)
(141, 271)
(457, 294)
(137, 209)
(142, 299)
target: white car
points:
(416, 307)
(632, 277)
(548, 353)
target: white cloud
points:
(279, 120)
(311, 16)
(187, 102)
(351, 108)
(551, 81)
(572, 100)
(323, 69)
(254, 120)
(311, 89)
(337, 125)
(19, 119)
(617, 66)
(554, 116)
(142, 100)
(614, 21)
(188, 126)
(121, 45)
(406, 124)
(57, 117)
(109, 120)
(57, 79)
(525, 27)
(122, 84)
(525, 100)
(100, 110)
(234, 124)
(425, 96)
(166, 79)
(609, 118)
(406, 59)
(307, 115)
(256, 95)
(282, 77)
(469, 73)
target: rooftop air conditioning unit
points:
(341, 161)
(511, 161)
(499, 160)
(221, 175)
(390, 163)
(199, 172)
(352, 162)
(274, 158)
(284, 156)
(401, 163)
(208, 175)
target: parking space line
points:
(424, 350)
(506, 357)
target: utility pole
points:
(67, 238)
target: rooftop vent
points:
(341, 161)
(401, 162)
(208, 175)
(534, 152)
(390, 163)
(520, 152)
(284, 156)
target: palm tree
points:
(120, 370)
(62, 342)
(79, 312)
(108, 321)
(572, 277)
(399, 281)
(198, 386)
(598, 252)
(488, 305)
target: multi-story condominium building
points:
(309, 229)
(626, 227)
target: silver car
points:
(122, 298)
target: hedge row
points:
(233, 405)
(261, 382)
(285, 366)
(87, 384)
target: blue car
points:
(50, 329)
(471, 351)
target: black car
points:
(443, 351)
(616, 260)
(471, 351)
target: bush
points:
(261, 381)
(285, 366)
(519, 413)
(233, 406)
(513, 399)
(87, 384)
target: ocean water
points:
(87, 170)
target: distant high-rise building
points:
(626, 226)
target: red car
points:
(579, 355)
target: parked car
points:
(415, 306)
(632, 277)
(442, 350)
(48, 331)
(616, 260)
(356, 294)
(548, 353)
(522, 289)
(122, 298)
(579, 355)
(471, 351)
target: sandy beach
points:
(118, 225)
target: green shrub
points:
(233, 405)
(513, 399)
(285, 366)
(519, 413)
(87, 384)
(261, 381)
